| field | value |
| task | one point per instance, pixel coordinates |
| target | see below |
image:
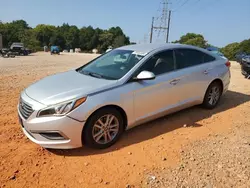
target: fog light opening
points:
(52, 135)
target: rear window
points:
(208, 58)
(190, 57)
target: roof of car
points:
(146, 48)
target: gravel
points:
(205, 164)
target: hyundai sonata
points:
(94, 104)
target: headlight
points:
(61, 109)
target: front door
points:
(154, 96)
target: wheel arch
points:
(118, 108)
(213, 81)
(219, 81)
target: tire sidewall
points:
(206, 103)
(88, 139)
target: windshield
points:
(112, 65)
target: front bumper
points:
(36, 130)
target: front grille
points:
(25, 109)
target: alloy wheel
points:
(214, 95)
(105, 129)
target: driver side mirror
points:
(145, 75)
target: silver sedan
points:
(94, 104)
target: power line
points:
(210, 5)
(185, 2)
(196, 2)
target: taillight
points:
(228, 64)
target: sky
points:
(220, 21)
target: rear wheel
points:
(103, 128)
(212, 95)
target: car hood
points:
(66, 86)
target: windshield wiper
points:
(96, 75)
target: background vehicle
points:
(216, 51)
(245, 66)
(54, 50)
(125, 87)
(239, 56)
(14, 44)
(29, 51)
(18, 48)
(5, 52)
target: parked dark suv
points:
(245, 66)
(239, 56)
(18, 48)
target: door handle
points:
(206, 71)
(174, 82)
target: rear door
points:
(192, 71)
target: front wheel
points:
(103, 128)
(212, 95)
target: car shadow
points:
(160, 126)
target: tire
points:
(208, 103)
(90, 128)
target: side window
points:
(160, 63)
(188, 57)
(208, 58)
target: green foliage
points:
(30, 41)
(245, 46)
(229, 51)
(119, 41)
(199, 41)
(65, 36)
(13, 31)
(193, 39)
(44, 33)
(106, 39)
(232, 49)
(89, 38)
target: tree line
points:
(65, 36)
(88, 38)
(232, 49)
(229, 50)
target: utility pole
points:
(152, 30)
(169, 18)
(162, 26)
(1, 42)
